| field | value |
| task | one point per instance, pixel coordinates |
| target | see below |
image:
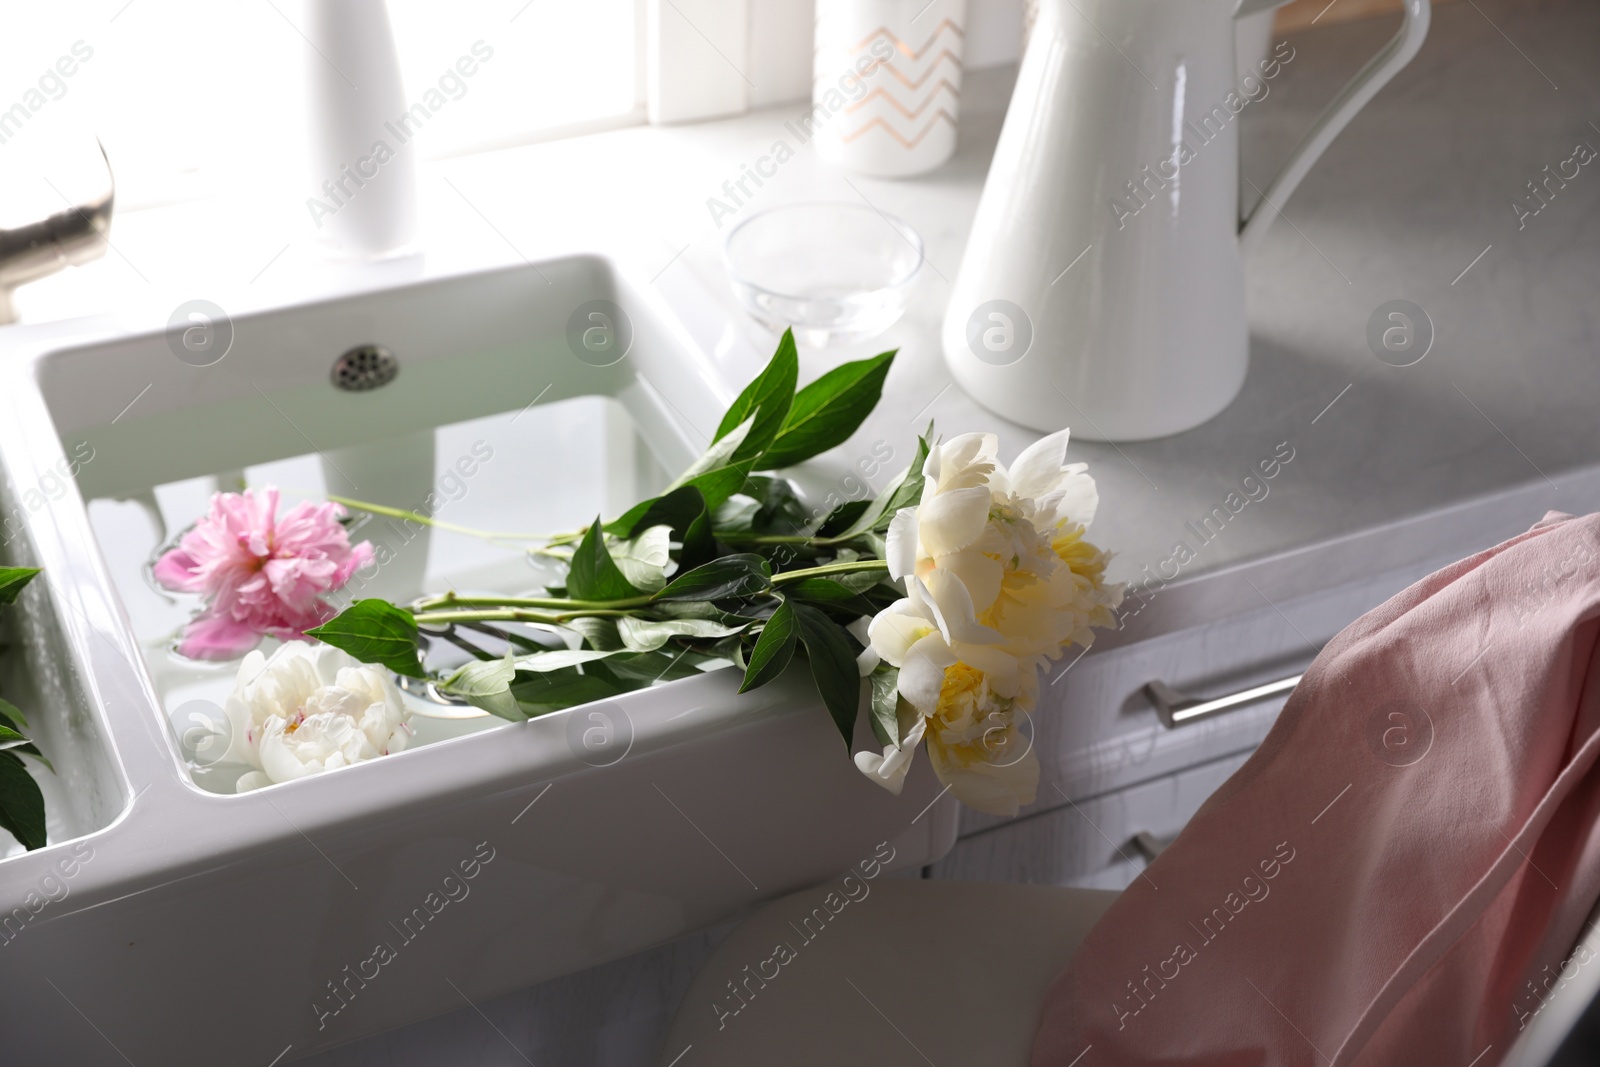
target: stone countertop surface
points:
(1392, 467)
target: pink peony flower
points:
(258, 573)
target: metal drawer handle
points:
(1148, 845)
(1179, 709)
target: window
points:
(196, 97)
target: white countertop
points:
(1416, 190)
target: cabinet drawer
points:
(1097, 731)
(1087, 842)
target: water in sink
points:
(531, 471)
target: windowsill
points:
(645, 185)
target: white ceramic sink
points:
(205, 927)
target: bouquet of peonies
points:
(934, 606)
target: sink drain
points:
(365, 367)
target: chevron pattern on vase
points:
(913, 94)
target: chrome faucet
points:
(39, 247)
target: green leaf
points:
(562, 658)
(684, 510)
(843, 517)
(731, 649)
(749, 426)
(598, 633)
(719, 473)
(831, 593)
(540, 694)
(774, 648)
(704, 609)
(593, 574)
(21, 803)
(742, 574)
(486, 684)
(12, 579)
(9, 738)
(885, 702)
(11, 715)
(375, 631)
(765, 402)
(778, 508)
(861, 581)
(673, 509)
(717, 456)
(906, 493)
(830, 409)
(12, 719)
(643, 558)
(696, 541)
(737, 514)
(832, 655)
(636, 670)
(647, 635)
(623, 525)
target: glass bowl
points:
(836, 273)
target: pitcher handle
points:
(1351, 99)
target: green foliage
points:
(486, 684)
(843, 517)
(636, 670)
(647, 635)
(643, 558)
(765, 402)
(683, 510)
(540, 694)
(741, 574)
(717, 474)
(774, 648)
(21, 802)
(375, 631)
(826, 412)
(906, 493)
(831, 652)
(833, 594)
(594, 575)
(11, 719)
(716, 569)
(12, 580)
(885, 704)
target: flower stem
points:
(735, 537)
(442, 618)
(850, 567)
(429, 520)
(451, 607)
(453, 600)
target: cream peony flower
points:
(999, 581)
(311, 708)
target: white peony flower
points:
(311, 708)
(999, 581)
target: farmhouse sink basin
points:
(200, 925)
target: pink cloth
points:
(1389, 876)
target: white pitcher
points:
(1102, 285)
